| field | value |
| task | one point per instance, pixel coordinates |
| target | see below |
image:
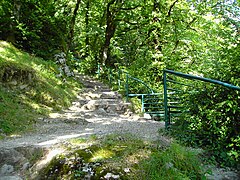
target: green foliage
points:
(29, 88)
(211, 122)
(88, 66)
(214, 119)
(187, 36)
(176, 162)
(216, 123)
(37, 27)
(137, 105)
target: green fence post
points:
(98, 71)
(142, 102)
(126, 86)
(167, 123)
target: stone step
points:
(110, 95)
(112, 105)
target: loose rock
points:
(6, 169)
(10, 178)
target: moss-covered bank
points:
(29, 88)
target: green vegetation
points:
(143, 38)
(29, 88)
(127, 157)
(176, 162)
(210, 120)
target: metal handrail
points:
(139, 80)
(127, 77)
(186, 76)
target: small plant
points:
(136, 104)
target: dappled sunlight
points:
(138, 156)
(54, 115)
(15, 135)
(4, 43)
(50, 155)
(106, 123)
(37, 107)
(30, 88)
(89, 129)
(101, 154)
(5, 47)
(60, 138)
(2, 49)
(118, 50)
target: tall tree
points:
(112, 10)
(72, 24)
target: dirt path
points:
(97, 111)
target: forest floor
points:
(98, 111)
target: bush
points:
(213, 123)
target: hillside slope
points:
(29, 88)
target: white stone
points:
(14, 83)
(101, 111)
(126, 170)
(6, 169)
(10, 178)
(25, 166)
(147, 116)
(23, 86)
(110, 175)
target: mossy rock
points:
(10, 73)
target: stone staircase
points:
(99, 97)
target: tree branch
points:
(127, 21)
(171, 7)
(191, 22)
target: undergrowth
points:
(29, 89)
(125, 157)
(176, 162)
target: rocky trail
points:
(97, 111)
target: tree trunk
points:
(109, 33)
(86, 26)
(72, 24)
(12, 26)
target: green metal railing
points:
(169, 109)
(172, 102)
(138, 80)
(151, 102)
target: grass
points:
(128, 157)
(29, 89)
(176, 162)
